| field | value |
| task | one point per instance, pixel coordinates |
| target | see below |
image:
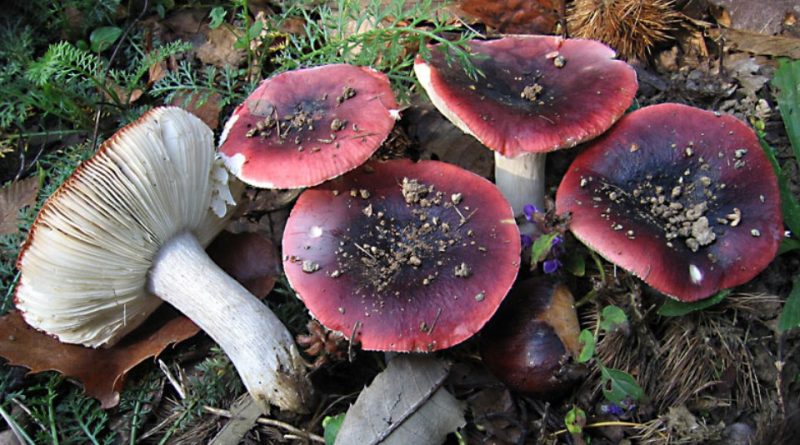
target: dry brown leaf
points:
(156, 72)
(13, 198)
(250, 258)
(206, 107)
(439, 139)
(758, 44)
(219, 48)
(514, 16)
(763, 16)
(405, 404)
(102, 371)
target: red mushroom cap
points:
(539, 93)
(681, 197)
(303, 127)
(413, 257)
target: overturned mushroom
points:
(537, 94)
(681, 197)
(303, 127)
(402, 256)
(126, 231)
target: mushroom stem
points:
(258, 344)
(521, 179)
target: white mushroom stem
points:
(258, 344)
(521, 179)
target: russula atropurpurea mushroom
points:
(683, 198)
(531, 342)
(537, 94)
(402, 256)
(126, 231)
(329, 120)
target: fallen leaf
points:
(405, 404)
(763, 17)
(439, 139)
(514, 16)
(494, 411)
(13, 198)
(759, 44)
(250, 258)
(206, 107)
(102, 371)
(219, 48)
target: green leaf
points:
(102, 38)
(788, 245)
(611, 317)
(790, 315)
(587, 340)
(574, 263)
(217, 16)
(789, 205)
(675, 308)
(787, 80)
(575, 420)
(331, 424)
(619, 385)
(541, 247)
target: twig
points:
(172, 380)
(269, 422)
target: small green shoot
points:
(675, 308)
(331, 425)
(787, 81)
(541, 247)
(575, 420)
(102, 38)
(618, 386)
(217, 16)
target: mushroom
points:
(536, 94)
(126, 231)
(402, 256)
(681, 197)
(303, 127)
(531, 341)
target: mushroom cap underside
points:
(83, 268)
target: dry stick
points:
(114, 53)
(269, 422)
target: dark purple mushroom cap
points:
(412, 257)
(303, 127)
(681, 197)
(539, 93)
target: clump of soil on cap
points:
(685, 206)
(406, 244)
(305, 118)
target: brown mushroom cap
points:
(683, 198)
(303, 127)
(539, 93)
(412, 257)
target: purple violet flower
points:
(551, 266)
(528, 210)
(527, 241)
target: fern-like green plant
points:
(384, 35)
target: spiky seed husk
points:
(631, 27)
